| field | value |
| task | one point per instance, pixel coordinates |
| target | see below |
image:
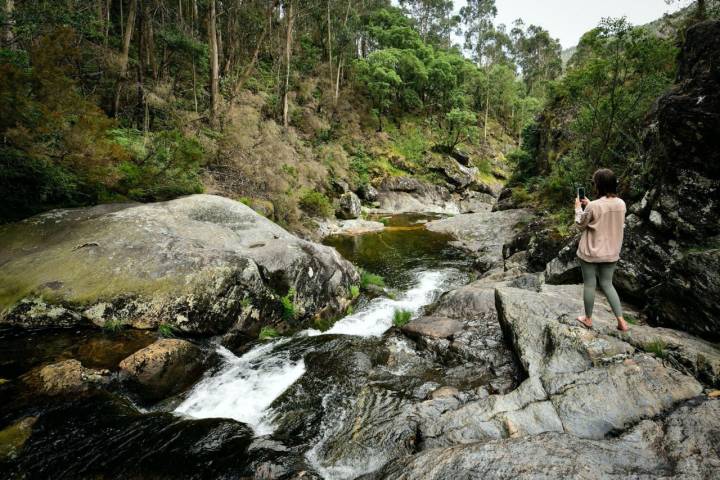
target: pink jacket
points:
(603, 224)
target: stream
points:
(299, 395)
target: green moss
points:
(13, 438)
(630, 319)
(267, 333)
(401, 317)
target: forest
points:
(146, 100)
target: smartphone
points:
(581, 195)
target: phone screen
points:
(581, 193)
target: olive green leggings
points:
(592, 272)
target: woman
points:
(602, 223)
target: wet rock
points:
(163, 368)
(65, 377)
(202, 263)
(348, 206)
(13, 438)
(484, 234)
(435, 327)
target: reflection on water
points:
(403, 247)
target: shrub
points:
(267, 333)
(113, 325)
(316, 203)
(288, 305)
(166, 331)
(354, 291)
(367, 279)
(401, 317)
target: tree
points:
(434, 20)
(537, 54)
(379, 75)
(461, 127)
(478, 15)
(214, 64)
(124, 54)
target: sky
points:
(568, 20)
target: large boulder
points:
(408, 194)
(484, 234)
(349, 206)
(163, 368)
(203, 264)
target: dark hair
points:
(605, 182)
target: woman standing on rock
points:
(602, 223)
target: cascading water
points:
(245, 386)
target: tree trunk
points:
(214, 65)
(9, 35)
(288, 53)
(329, 40)
(487, 112)
(124, 55)
(701, 10)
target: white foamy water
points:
(245, 386)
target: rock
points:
(565, 268)
(435, 327)
(483, 234)
(680, 446)
(13, 438)
(462, 158)
(349, 227)
(368, 193)
(203, 264)
(459, 176)
(339, 186)
(348, 206)
(65, 377)
(410, 195)
(543, 245)
(688, 299)
(163, 368)
(505, 201)
(444, 392)
(474, 202)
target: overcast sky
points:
(569, 19)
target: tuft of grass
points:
(267, 333)
(657, 347)
(288, 305)
(350, 310)
(246, 303)
(354, 291)
(401, 317)
(367, 279)
(113, 325)
(630, 319)
(166, 331)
